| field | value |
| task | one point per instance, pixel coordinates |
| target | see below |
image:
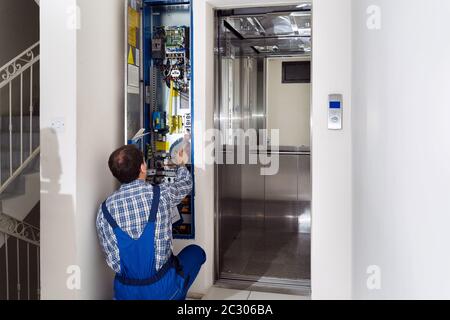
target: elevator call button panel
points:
(335, 111)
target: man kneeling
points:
(134, 226)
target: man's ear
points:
(143, 168)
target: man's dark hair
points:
(125, 163)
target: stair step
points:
(16, 188)
(34, 166)
(16, 130)
(5, 160)
(5, 163)
(9, 195)
(16, 141)
(4, 123)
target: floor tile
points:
(274, 296)
(226, 294)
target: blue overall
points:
(139, 279)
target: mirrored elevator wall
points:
(263, 222)
(239, 108)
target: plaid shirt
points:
(130, 208)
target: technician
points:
(134, 226)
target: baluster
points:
(18, 268)
(31, 110)
(1, 124)
(38, 274)
(28, 270)
(10, 131)
(21, 118)
(7, 266)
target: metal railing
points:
(19, 241)
(16, 69)
(15, 235)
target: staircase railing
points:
(26, 62)
(19, 241)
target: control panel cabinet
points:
(158, 98)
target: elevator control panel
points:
(159, 99)
(335, 111)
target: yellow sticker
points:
(130, 56)
(132, 37)
(133, 26)
(133, 18)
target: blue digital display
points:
(335, 104)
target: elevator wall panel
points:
(304, 178)
(284, 185)
(230, 204)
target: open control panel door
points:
(133, 70)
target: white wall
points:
(58, 152)
(82, 77)
(331, 152)
(402, 149)
(203, 120)
(294, 99)
(100, 129)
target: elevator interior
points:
(263, 223)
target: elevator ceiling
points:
(265, 31)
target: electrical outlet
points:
(58, 125)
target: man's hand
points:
(182, 150)
(181, 158)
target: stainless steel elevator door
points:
(273, 240)
(263, 223)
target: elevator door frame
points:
(265, 284)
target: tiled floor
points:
(230, 294)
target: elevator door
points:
(272, 222)
(263, 222)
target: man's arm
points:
(181, 187)
(106, 239)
